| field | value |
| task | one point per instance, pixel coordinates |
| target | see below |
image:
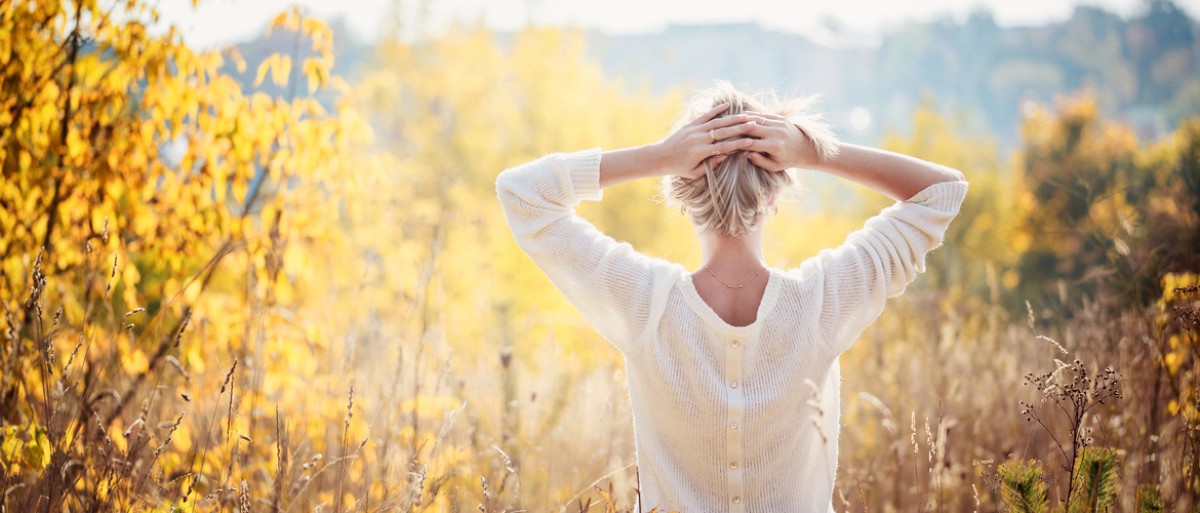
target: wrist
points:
(657, 162)
(830, 164)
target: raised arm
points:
(618, 290)
(781, 145)
(683, 152)
(898, 176)
(880, 259)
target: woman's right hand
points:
(779, 144)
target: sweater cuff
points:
(583, 169)
(945, 196)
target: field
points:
(222, 300)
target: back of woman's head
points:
(732, 196)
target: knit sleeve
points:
(879, 260)
(617, 289)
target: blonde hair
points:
(731, 196)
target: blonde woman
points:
(733, 367)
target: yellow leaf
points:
(75, 144)
(115, 429)
(288, 19)
(1172, 361)
(135, 362)
(263, 68)
(314, 73)
(9, 445)
(37, 449)
(281, 70)
(195, 360)
(278, 21)
(182, 439)
(239, 62)
(147, 131)
(284, 293)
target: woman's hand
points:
(708, 137)
(682, 153)
(779, 144)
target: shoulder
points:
(806, 280)
(668, 272)
(812, 269)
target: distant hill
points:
(1144, 69)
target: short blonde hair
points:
(731, 196)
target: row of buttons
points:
(733, 371)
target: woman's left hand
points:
(708, 137)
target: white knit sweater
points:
(726, 418)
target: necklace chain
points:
(722, 282)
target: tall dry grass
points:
(937, 395)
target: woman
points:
(733, 368)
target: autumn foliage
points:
(217, 299)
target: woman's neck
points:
(732, 253)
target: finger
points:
(762, 131)
(765, 162)
(724, 121)
(761, 120)
(767, 115)
(720, 134)
(774, 121)
(769, 146)
(731, 145)
(699, 170)
(708, 116)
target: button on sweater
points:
(740, 419)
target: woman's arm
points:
(683, 152)
(613, 286)
(617, 289)
(781, 145)
(898, 176)
(879, 260)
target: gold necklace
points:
(722, 282)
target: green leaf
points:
(1021, 486)
(1095, 486)
(1149, 500)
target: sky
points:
(222, 22)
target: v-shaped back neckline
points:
(702, 309)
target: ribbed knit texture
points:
(726, 418)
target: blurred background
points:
(252, 258)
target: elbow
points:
(507, 187)
(504, 182)
(505, 191)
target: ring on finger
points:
(716, 151)
(712, 136)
